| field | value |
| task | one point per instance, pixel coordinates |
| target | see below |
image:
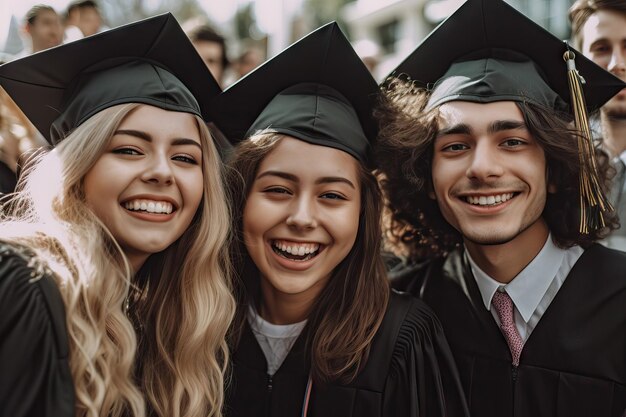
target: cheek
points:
(194, 190)
(254, 221)
(96, 186)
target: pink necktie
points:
(504, 307)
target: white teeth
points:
(150, 206)
(294, 248)
(489, 200)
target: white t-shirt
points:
(275, 340)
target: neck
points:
(281, 308)
(505, 261)
(136, 262)
(614, 133)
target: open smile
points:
(488, 200)
(150, 210)
(296, 251)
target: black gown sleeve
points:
(35, 378)
(423, 380)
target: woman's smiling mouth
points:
(296, 251)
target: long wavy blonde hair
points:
(169, 358)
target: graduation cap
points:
(151, 62)
(317, 90)
(487, 51)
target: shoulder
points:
(411, 276)
(602, 262)
(419, 323)
(30, 301)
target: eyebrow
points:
(293, 178)
(495, 126)
(144, 136)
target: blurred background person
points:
(43, 27)
(599, 32)
(70, 23)
(250, 57)
(211, 47)
(369, 52)
(88, 17)
(17, 138)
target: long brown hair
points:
(414, 225)
(349, 310)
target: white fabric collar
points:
(529, 286)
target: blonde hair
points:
(184, 304)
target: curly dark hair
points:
(414, 225)
(582, 10)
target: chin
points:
(489, 239)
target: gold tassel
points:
(593, 202)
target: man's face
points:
(89, 21)
(489, 173)
(46, 31)
(604, 42)
(211, 54)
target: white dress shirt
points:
(534, 288)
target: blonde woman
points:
(114, 280)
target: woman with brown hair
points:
(318, 331)
(114, 273)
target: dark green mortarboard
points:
(150, 62)
(317, 90)
(488, 51)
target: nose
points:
(617, 65)
(158, 170)
(302, 214)
(484, 163)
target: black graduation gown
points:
(35, 378)
(410, 372)
(574, 362)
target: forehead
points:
(161, 123)
(46, 15)
(303, 159)
(477, 114)
(604, 24)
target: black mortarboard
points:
(488, 51)
(150, 62)
(317, 90)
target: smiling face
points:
(489, 174)
(148, 184)
(604, 42)
(301, 217)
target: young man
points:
(481, 171)
(599, 31)
(44, 28)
